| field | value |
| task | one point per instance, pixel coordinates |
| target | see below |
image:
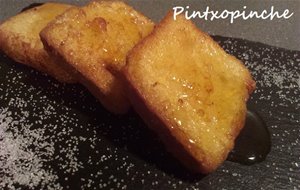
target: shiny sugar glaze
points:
(253, 143)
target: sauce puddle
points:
(253, 143)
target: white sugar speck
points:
(24, 166)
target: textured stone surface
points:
(55, 136)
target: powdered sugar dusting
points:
(33, 135)
(24, 165)
(277, 99)
(55, 136)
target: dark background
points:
(120, 152)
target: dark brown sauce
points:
(253, 143)
(32, 5)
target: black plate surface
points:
(55, 136)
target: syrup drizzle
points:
(254, 143)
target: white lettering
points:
(176, 12)
(232, 15)
(285, 14)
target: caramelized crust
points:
(90, 39)
(20, 40)
(190, 91)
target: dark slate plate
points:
(55, 136)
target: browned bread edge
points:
(173, 139)
(82, 79)
(40, 59)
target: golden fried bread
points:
(190, 91)
(20, 40)
(94, 37)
